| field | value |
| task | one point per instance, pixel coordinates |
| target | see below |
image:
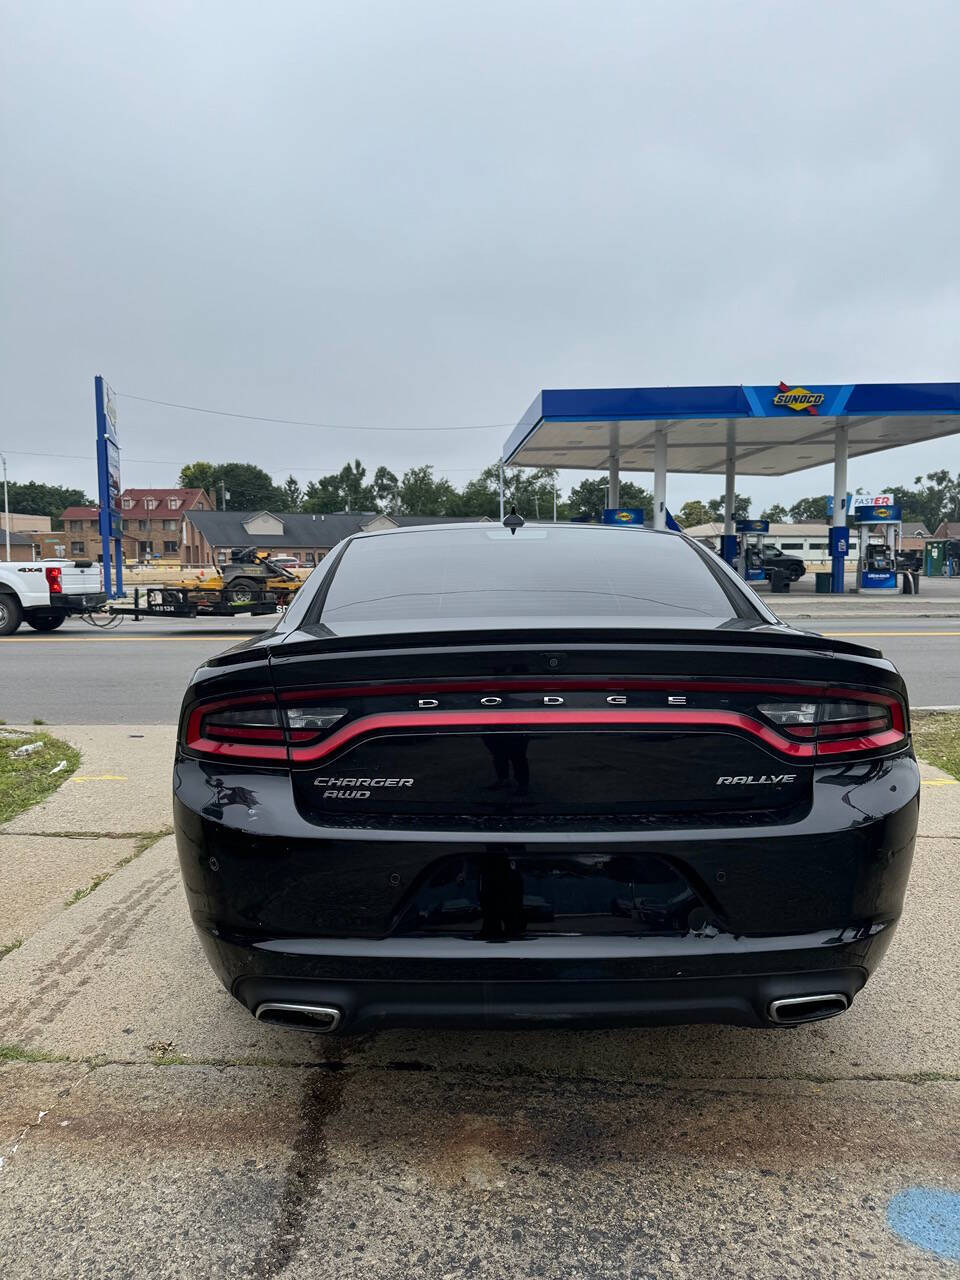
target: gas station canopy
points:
(776, 429)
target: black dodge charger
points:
(553, 776)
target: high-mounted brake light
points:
(54, 576)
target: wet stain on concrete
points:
(309, 1161)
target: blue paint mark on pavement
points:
(928, 1217)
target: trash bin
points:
(911, 582)
(823, 582)
(779, 582)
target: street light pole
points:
(6, 507)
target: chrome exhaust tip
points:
(318, 1018)
(790, 1012)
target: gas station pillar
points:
(613, 488)
(728, 540)
(660, 477)
(839, 537)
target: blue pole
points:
(839, 538)
(103, 484)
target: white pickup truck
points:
(43, 593)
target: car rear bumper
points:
(319, 916)
(374, 987)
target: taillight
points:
(842, 723)
(802, 723)
(54, 576)
(238, 728)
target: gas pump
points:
(750, 553)
(879, 549)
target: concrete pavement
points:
(256, 1153)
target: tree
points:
(930, 503)
(322, 496)
(693, 513)
(480, 496)
(741, 507)
(589, 498)
(249, 486)
(810, 509)
(385, 489)
(422, 494)
(293, 494)
(35, 499)
(345, 491)
(198, 475)
(776, 513)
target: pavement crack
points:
(309, 1161)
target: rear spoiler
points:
(321, 640)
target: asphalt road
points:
(137, 674)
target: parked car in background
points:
(286, 562)
(549, 775)
(792, 566)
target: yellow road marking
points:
(939, 782)
(99, 777)
(889, 633)
(199, 635)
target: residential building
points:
(152, 524)
(24, 522)
(38, 546)
(209, 536)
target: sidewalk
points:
(103, 816)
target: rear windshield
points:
(540, 571)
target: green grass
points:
(7, 947)
(17, 1053)
(26, 780)
(144, 841)
(936, 739)
(79, 894)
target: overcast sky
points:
(389, 214)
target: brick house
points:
(152, 524)
(209, 536)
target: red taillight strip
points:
(238, 750)
(849, 728)
(386, 722)
(866, 742)
(246, 732)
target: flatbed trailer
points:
(192, 602)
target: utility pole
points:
(6, 507)
(501, 491)
(223, 496)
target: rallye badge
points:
(624, 517)
(798, 399)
